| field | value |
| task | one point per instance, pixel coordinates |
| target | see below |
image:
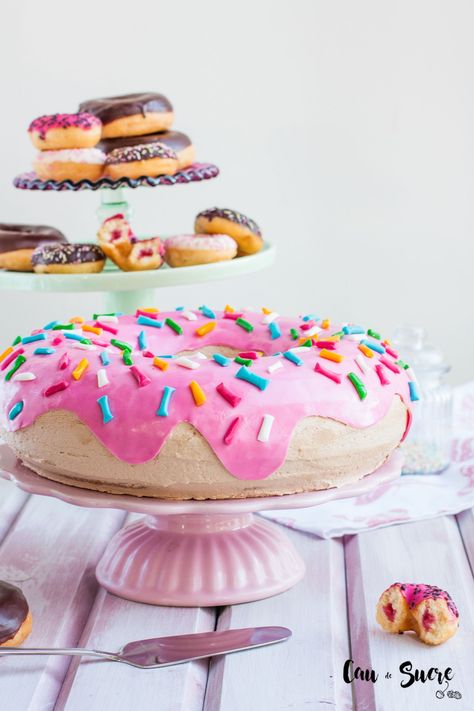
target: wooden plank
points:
(424, 552)
(97, 686)
(51, 553)
(303, 672)
(12, 501)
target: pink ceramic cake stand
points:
(195, 553)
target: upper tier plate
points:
(196, 172)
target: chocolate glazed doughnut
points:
(18, 242)
(131, 114)
(179, 142)
(81, 258)
(15, 616)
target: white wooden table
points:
(51, 548)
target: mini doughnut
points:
(145, 254)
(73, 164)
(425, 609)
(142, 160)
(58, 131)
(179, 142)
(131, 114)
(18, 242)
(219, 220)
(186, 250)
(116, 237)
(79, 258)
(15, 616)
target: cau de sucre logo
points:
(408, 676)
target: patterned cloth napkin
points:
(408, 498)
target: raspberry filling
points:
(427, 619)
(145, 253)
(389, 611)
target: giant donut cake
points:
(204, 404)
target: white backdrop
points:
(344, 128)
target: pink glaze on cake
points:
(143, 405)
(414, 594)
(43, 124)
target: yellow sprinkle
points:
(76, 319)
(198, 393)
(331, 355)
(326, 323)
(228, 309)
(6, 353)
(386, 342)
(207, 328)
(161, 363)
(304, 339)
(334, 339)
(150, 310)
(366, 351)
(266, 311)
(80, 368)
(92, 329)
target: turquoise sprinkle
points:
(50, 325)
(414, 392)
(274, 330)
(74, 336)
(44, 351)
(377, 347)
(311, 317)
(142, 342)
(165, 401)
(104, 356)
(209, 313)
(147, 321)
(257, 380)
(16, 409)
(35, 337)
(179, 308)
(166, 356)
(103, 403)
(293, 357)
(222, 360)
(348, 330)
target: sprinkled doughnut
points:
(187, 250)
(219, 220)
(58, 131)
(150, 160)
(179, 142)
(73, 164)
(425, 609)
(131, 114)
(18, 242)
(81, 258)
(15, 616)
(204, 403)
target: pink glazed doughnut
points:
(61, 131)
(204, 404)
(186, 250)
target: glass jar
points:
(427, 447)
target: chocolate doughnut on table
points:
(14, 611)
(131, 114)
(18, 242)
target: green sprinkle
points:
(18, 362)
(86, 341)
(294, 333)
(339, 333)
(16, 341)
(63, 327)
(244, 324)
(243, 361)
(175, 326)
(121, 344)
(358, 384)
(96, 316)
(308, 343)
(402, 364)
(127, 358)
(374, 334)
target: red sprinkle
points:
(56, 388)
(106, 327)
(388, 364)
(329, 345)
(13, 356)
(233, 317)
(336, 377)
(230, 434)
(57, 340)
(140, 377)
(149, 314)
(391, 352)
(64, 362)
(101, 344)
(382, 377)
(148, 354)
(228, 395)
(307, 325)
(253, 355)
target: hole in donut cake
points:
(227, 351)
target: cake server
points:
(165, 651)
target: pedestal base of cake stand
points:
(196, 553)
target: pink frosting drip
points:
(416, 593)
(136, 434)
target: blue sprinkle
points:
(179, 308)
(414, 392)
(16, 409)
(73, 336)
(293, 357)
(245, 374)
(349, 330)
(209, 313)
(35, 337)
(221, 359)
(142, 342)
(147, 321)
(166, 356)
(165, 401)
(44, 351)
(373, 345)
(50, 325)
(310, 317)
(105, 407)
(274, 330)
(104, 356)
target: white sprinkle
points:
(266, 428)
(108, 319)
(311, 332)
(24, 376)
(187, 363)
(409, 371)
(200, 355)
(275, 366)
(357, 337)
(189, 315)
(269, 318)
(102, 378)
(362, 364)
(84, 346)
(300, 349)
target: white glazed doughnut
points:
(186, 250)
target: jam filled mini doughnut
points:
(425, 609)
(146, 254)
(58, 131)
(15, 616)
(116, 237)
(142, 160)
(73, 164)
(131, 114)
(179, 142)
(219, 220)
(187, 250)
(68, 259)
(18, 242)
